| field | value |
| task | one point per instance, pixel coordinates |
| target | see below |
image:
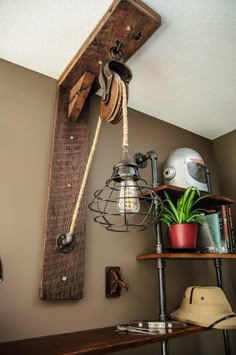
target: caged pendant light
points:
(125, 203)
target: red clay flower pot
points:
(183, 236)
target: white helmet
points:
(185, 167)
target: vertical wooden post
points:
(63, 273)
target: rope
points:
(85, 178)
(123, 89)
(125, 115)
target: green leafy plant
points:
(185, 209)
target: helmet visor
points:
(197, 172)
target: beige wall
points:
(26, 111)
(225, 153)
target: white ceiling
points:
(184, 74)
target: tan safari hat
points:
(206, 306)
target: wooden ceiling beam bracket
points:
(78, 95)
(130, 21)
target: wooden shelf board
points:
(94, 341)
(154, 256)
(212, 199)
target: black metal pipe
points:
(161, 274)
(218, 264)
(164, 347)
(162, 289)
(219, 279)
(153, 157)
(141, 160)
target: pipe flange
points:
(65, 242)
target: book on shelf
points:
(224, 231)
(230, 229)
(205, 240)
(219, 221)
(213, 222)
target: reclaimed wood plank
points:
(94, 341)
(154, 256)
(130, 21)
(62, 275)
(78, 96)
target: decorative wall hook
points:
(115, 283)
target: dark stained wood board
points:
(62, 275)
(177, 255)
(78, 96)
(175, 192)
(94, 341)
(130, 21)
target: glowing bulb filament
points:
(128, 199)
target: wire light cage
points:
(126, 203)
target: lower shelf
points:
(94, 341)
(153, 256)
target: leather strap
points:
(221, 319)
(191, 295)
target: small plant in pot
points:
(183, 217)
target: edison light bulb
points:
(128, 201)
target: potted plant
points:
(183, 217)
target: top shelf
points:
(211, 200)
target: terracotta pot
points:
(183, 236)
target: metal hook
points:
(116, 52)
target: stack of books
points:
(217, 236)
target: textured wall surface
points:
(225, 152)
(26, 127)
(185, 74)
